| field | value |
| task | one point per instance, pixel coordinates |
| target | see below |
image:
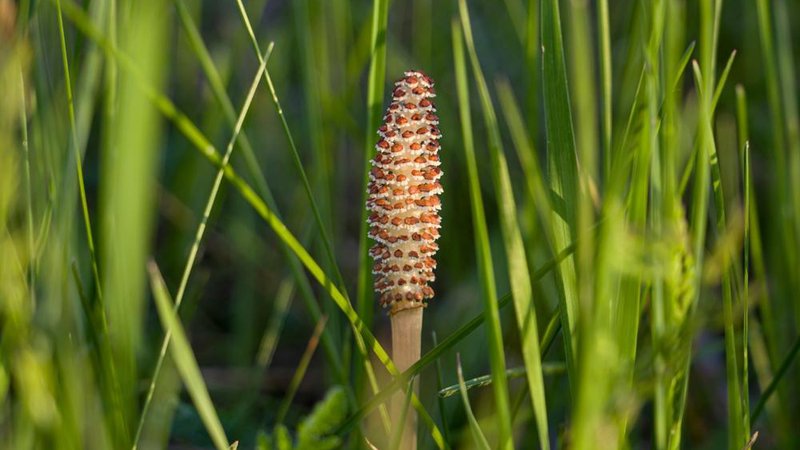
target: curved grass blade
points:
(482, 246)
(326, 241)
(185, 361)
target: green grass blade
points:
(375, 90)
(562, 170)
(537, 190)
(185, 360)
(606, 73)
(76, 150)
(440, 401)
(521, 286)
(484, 253)
(780, 374)
(477, 434)
(722, 79)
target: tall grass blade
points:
(562, 171)
(375, 90)
(484, 252)
(521, 286)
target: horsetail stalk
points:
(404, 221)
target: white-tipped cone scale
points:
(404, 220)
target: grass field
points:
(183, 232)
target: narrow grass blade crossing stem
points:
(187, 270)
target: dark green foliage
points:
(314, 431)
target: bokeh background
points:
(244, 311)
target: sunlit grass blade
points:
(475, 428)
(604, 32)
(185, 360)
(538, 192)
(743, 142)
(483, 249)
(521, 286)
(262, 187)
(76, 150)
(562, 171)
(456, 337)
(737, 436)
(128, 170)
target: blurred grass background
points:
(638, 195)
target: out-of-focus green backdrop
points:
(149, 102)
